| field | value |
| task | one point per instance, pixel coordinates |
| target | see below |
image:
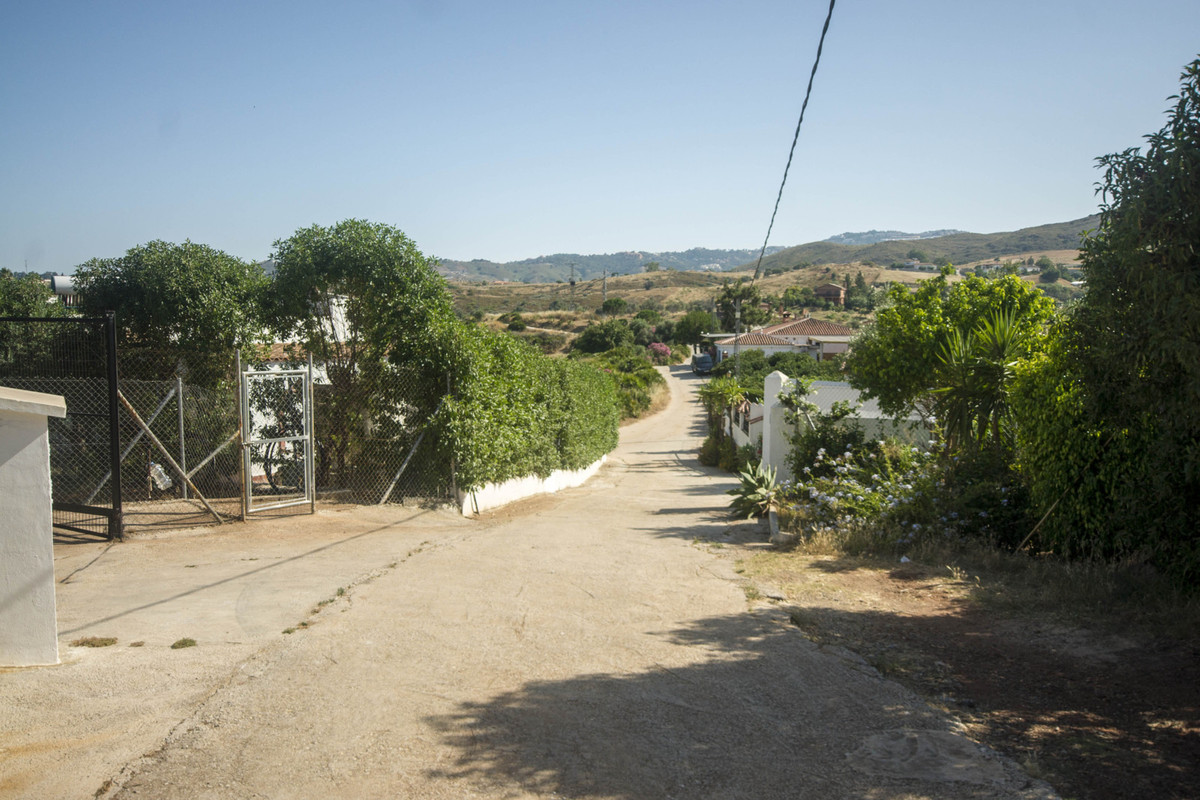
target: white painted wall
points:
(28, 628)
(495, 495)
(775, 428)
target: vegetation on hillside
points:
(959, 248)
(1068, 430)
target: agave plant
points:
(758, 493)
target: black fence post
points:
(115, 522)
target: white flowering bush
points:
(886, 489)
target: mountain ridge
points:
(957, 247)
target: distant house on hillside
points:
(818, 338)
(831, 292)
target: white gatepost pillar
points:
(775, 427)
(28, 628)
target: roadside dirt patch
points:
(1095, 714)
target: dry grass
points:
(95, 641)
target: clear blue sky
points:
(507, 130)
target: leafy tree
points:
(27, 296)
(753, 367)
(743, 296)
(664, 331)
(650, 315)
(363, 300)
(720, 397)
(603, 336)
(186, 301)
(357, 288)
(798, 296)
(976, 371)
(652, 266)
(859, 296)
(895, 359)
(918, 255)
(24, 345)
(1044, 263)
(693, 326)
(1135, 338)
(613, 306)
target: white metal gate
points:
(278, 465)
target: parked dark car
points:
(702, 363)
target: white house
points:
(817, 337)
(776, 430)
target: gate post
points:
(116, 522)
(28, 628)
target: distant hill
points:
(548, 269)
(872, 237)
(880, 247)
(959, 248)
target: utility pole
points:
(737, 335)
(604, 287)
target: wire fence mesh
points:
(180, 448)
(69, 357)
(366, 438)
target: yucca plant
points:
(758, 493)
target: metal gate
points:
(276, 408)
(75, 357)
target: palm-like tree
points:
(720, 397)
(976, 369)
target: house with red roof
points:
(817, 337)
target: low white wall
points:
(494, 495)
(28, 628)
(740, 437)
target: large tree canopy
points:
(897, 358)
(1134, 347)
(354, 285)
(187, 300)
(27, 297)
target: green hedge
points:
(514, 412)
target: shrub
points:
(604, 336)
(514, 412)
(659, 353)
(758, 493)
(634, 377)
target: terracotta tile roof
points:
(755, 338)
(808, 327)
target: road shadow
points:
(1078, 704)
(759, 712)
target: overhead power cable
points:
(795, 138)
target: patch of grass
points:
(289, 630)
(752, 593)
(137, 644)
(179, 644)
(341, 590)
(95, 641)
(1119, 598)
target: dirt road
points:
(580, 645)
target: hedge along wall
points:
(514, 412)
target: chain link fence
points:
(178, 423)
(70, 356)
(371, 443)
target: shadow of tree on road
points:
(734, 707)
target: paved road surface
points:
(581, 645)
